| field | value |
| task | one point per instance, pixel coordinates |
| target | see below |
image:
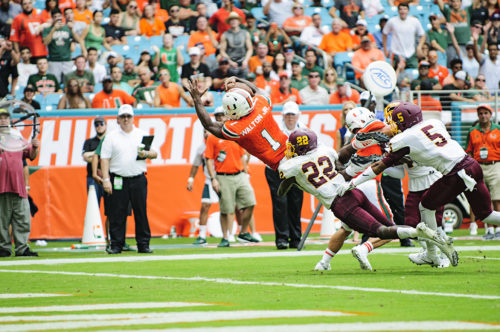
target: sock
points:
(327, 256)
(428, 217)
(406, 232)
(368, 246)
(493, 218)
(203, 231)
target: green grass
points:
(392, 271)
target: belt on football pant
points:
(229, 173)
(488, 162)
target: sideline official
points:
(124, 180)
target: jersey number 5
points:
(314, 177)
(442, 141)
(274, 144)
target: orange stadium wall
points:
(58, 186)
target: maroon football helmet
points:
(404, 116)
(300, 142)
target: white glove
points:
(344, 187)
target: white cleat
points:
(322, 266)
(362, 258)
(445, 244)
(421, 258)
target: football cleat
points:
(200, 240)
(445, 245)
(422, 258)
(321, 266)
(246, 238)
(362, 258)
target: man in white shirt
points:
(489, 66)
(277, 10)
(25, 68)
(94, 66)
(314, 94)
(313, 34)
(123, 164)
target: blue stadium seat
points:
(39, 98)
(51, 101)
(326, 19)
(258, 13)
(127, 52)
(156, 40)
(77, 51)
(340, 60)
(217, 99)
(97, 87)
(181, 43)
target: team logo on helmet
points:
(300, 142)
(404, 116)
(237, 103)
(358, 117)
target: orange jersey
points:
(225, 154)
(83, 16)
(149, 29)
(23, 31)
(202, 37)
(258, 133)
(374, 149)
(113, 100)
(169, 96)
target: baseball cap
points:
(98, 119)
(111, 54)
(341, 81)
(290, 107)
(223, 60)
(461, 75)
(495, 16)
(361, 22)
(3, 111)
(107, 78)
(289, 50)
(384, 18)
(485, 106)
(295, 62)
(283, 74)
(423, 63)
(251, 76)
(126, 109)
(219, 110)
(433, 15)
(365, 39)
(365, 95)
(194, 51)
(29, 87)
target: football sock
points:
(327, 256)
(428, 217)
(406, 232)
(203, 231)
(493, 218)
(366, 247)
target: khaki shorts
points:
(491, 175)
(235, 190)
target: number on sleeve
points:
(442, 140)
(274, 144)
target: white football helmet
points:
(237, 103)
(357, 118)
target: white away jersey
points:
(430, 145)
(315, 173)
(421, 177)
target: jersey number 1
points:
(274, 144)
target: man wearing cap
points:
(295, 24)
(483, 144)
(313, 93)
(423, 74)
(438, 37)
(261, 55)
(361, 32)
(314, 32)
(89, 147)
(29, 94)
(283, 93)
(287, 208)
(236, 45)
(344, 93)
(195, 68)
(123, 164)
(365, 55)
(111, 98)
(14, 205)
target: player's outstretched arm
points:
(285, 186)
(214, 128)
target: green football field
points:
(248, 288)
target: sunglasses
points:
(330, 74)
(457, 67)
(174, 10)
(313, 76)
(298, 8)
(99, 124)
(480, 80)
(162, 74)
(132, 7)
(125, 116)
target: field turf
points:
(248, 288)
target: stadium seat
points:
(156, 40)
(217, 98)
(39, 98)
(97, 87)
(127, 52)
(181, 43)
(51, 101)
(326, 19)
(258, 13)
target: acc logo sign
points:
(381, 78)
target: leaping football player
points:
(312, 168)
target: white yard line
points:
(289, 253)
(106, 306)
(66, 322)
(25, 295)
(482, 257)
(378, 326)
(259, 283)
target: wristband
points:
(106, 180)
(28, 187)
(190, 180)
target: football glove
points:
(364, 140)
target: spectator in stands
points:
(168, 57)
(378, 35)
(208, 98)
(261, 55)
(220, 74)
(129, 19)
(493, 29)
(73, 98)
(82, 13)
(423, 74)
(313, 34)
(329, 82)
(235, 44)
(9, 59)
(283, 93)
(144, 92)
(372, 7)
(406, 31)
(94, 4)
(481, 92)
(94, 66)
(459, 18)
(456, 65)
(115, 34)
(478, 12)
(59, 39)
(277, 10)
(84, 77)
(489, 66)
(168, 94)
(252, 29)
(76, 26)
(436, 70)
(112, 60)
(46, 14)
(149, 25)
(22, 33)
(278, 65)
(337, 40)
(313, 93)
(111, 98)
(437, 36)
(343, 133)
(344, 93)
(94, 35)
(195, 68)
(201, 9)
(118, 84)
(311, 64)
(469, 62)
(350, 11)
(365, 55)
(187, 11)
(295, 24)
(369, 101)
(28, 95)
(289, 57)
(460, 83)
(174, 25)
(145, 60)
(129, 74)
(425, 100)
(264, 81)
(204, 34)
(25, 68)
(276, 39)
(360, 32)
(299, 81)
(8, 11)
(43, 82)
